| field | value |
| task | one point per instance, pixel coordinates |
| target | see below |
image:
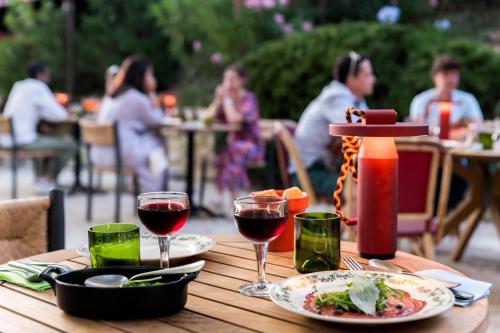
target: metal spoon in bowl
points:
(118, 280)
(384, 265)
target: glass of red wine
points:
(260, 220)
(163, 213)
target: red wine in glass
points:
(163, 218)
(260, 220)
(260, 225)
(163, 213)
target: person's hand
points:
(219, 94)
(154, 99)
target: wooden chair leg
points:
(90, 191)
(118, 194)
(467, 233)
(428, 245)
(14, 177)
(416, 246)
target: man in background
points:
(445, 74)
(30, 101)
(320, 152)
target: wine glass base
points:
(256, 289)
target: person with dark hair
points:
(30, 101)
(234, 104)
(354, 80)
(445, 74)
(133, 107)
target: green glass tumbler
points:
(317, 242)
(486, 139)
(114, 244)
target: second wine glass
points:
(260, 220)
(163, 214)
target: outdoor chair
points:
(287, 153)
(94, 134)
(31, 226)
(15, 152)
(418, 172)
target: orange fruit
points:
(292, 192)
(266, 193)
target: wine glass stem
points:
(261, 252)
(164, 242)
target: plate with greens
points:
(363, 297)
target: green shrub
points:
(289, 73)
(37, 34)
(107, 32)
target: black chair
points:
(31, 226)
(15, 152)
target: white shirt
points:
(424, 107)
(311, 135)
(29, 101)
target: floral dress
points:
(242, 147)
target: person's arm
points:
(473, 110)
(214, 107)
(417, 110)
(49, 109)
(147, 114)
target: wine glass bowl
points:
(260, 220)
(163, 214)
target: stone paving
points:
(481, 259)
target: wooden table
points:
(191, 128)
(214, 303)
(484, 192)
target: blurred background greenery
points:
(288, 46)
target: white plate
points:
(291, 293)
(182, 246)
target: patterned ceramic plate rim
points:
(204, 244)
(282, 292)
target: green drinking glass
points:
(114, 244)
(486, 139)
(317, 242)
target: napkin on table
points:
(15, 277)
(477, 288)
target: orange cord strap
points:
(350, 147)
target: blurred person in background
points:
(30, 101)
(133, 106)
(320, 152)
(234, 104)
(109, 78)
(424, 108)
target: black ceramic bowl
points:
(117, 303)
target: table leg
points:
(474, 175)
(467, 233)
(495, 201)
(77, 185)
(190, 167)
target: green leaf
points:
(364, 294)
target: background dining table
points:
(481, 170)
(214, 303)
(191, 128)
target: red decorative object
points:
(444, 119)
(169, 102)
(376, 174)
(62, 98)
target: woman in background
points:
(133, 105)
(234, 104)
